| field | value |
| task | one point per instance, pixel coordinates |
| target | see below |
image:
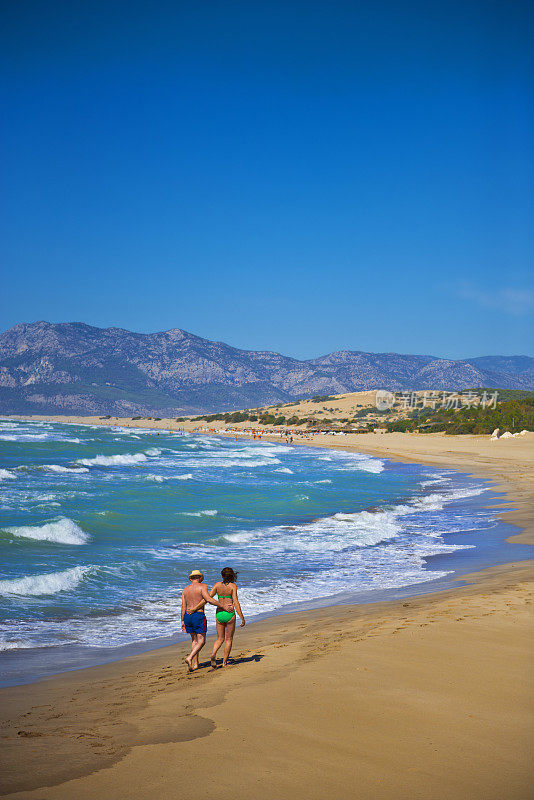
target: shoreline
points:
(292, 649)
(57, 661)
(86, 733)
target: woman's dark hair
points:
(228, 575)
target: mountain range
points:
(74, 368)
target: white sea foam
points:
(285, 470)
(244, 457)
(348, 530)
(371, 465)
(50, 583)
(131, 431)
(61, 531)
(351, 461)
(59, 468)
(364, 463)
(208, 512)
(267, 450)
(239, 537)
(227, 461)
(185, 477)
(124, 460)
(435, 478)
(15, 644)
(157, 478)
(153, 451)
(6, 475)
(436, 501)
(335, 533)
(326, 480)
(23, 437)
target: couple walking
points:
(194, 598)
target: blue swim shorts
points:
(196, 622)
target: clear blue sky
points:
(292, 176)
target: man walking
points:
(195, 623)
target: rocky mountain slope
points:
(71, 368)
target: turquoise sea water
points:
(100, 527)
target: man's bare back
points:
(193, 595)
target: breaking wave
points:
(59, 468)
(62, 531)
(50, 583)
(125, 460)
(208, 512)
(6, 475)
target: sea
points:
(100, 527)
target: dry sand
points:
(426, 698)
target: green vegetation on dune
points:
(506, 394)
(510, 415)
(514, 413)
(243, 416)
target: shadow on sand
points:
(257, 657)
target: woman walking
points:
(226, 589)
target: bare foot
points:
(213, 662)
(190, 668)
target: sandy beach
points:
(225, 223)
(430, 697)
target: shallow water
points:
(100, 527)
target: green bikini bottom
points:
(224, 616)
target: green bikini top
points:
(224, 596)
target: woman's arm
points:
(226, 604)
(237, 605)
(211, 600)
(207, 598)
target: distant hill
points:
(73, 368)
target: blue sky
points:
(294, 176)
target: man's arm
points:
(206, 598)
(183, 612)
